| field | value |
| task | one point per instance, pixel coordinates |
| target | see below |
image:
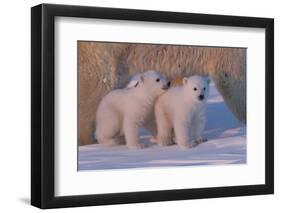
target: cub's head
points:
(151, 81)
(197, 87)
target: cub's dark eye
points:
(204, 88)
(194, 88)
(158, 79)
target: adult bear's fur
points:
(106, 66)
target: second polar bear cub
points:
(180, 112)
(122, 111)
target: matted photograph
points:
(159, 105)
(133, 106)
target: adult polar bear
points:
(180, 113)
(106, 66)
(123, 111)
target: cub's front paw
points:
(137, 146)
(165, 142)
(185, 146)
(200, 140)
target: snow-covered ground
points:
(226, 145)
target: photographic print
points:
(160, 105)
(162, 98)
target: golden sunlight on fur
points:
(103, 67)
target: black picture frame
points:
(43, 105)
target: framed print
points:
(139, 106)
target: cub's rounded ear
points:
(184, 80)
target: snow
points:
(226, 145)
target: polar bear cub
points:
(180, 112)
(122, 111)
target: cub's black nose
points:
(201, 97)
(169, 84)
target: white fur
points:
(180, 114)
(122, 111)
